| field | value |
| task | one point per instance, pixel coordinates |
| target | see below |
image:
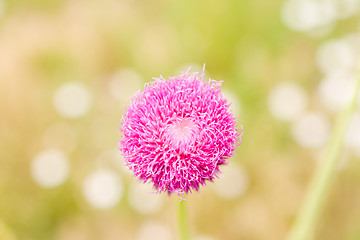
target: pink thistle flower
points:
(177, 132)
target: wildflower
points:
(177, 132)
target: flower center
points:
(182, 132)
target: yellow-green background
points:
(44, 43)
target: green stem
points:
(183, 220)
(305, 224)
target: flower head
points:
(177, 132)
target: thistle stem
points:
(305, 224)
(182, 218)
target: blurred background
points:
(67, 68)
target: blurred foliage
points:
(44, 43)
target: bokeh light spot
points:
(72, 100)
(335, 55)
(103, 188)
(50, 168)
(305, 15)
(312, 130)
(335, 90)
(287, 101)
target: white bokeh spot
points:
(312, 130)
(335, 90)
(306, 15)
(335, 55)
(287, 101)
(72, 100)
(50, 168)
(103, 188)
